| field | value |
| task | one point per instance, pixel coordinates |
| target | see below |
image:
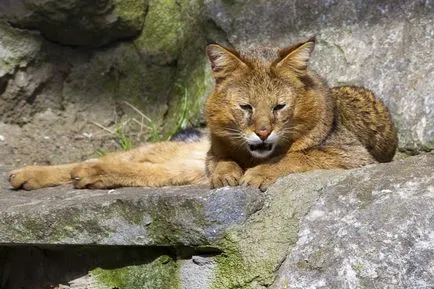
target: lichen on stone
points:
(163, 272)
(17, 48)
(132, 12)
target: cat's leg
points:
(261, 176)
(104, 175)
(154, 165)
(35, 177)
(158, 164)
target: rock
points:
(161, 72)
(76, 22)
(364, 228)
(197, 272)
(385, 46)
(26, 46)
(178, 216)
(175, 34)
(372, 229)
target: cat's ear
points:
(295, 58)
(224, 62)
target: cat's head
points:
(264, 97)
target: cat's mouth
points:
(261, 147)
(261, 150)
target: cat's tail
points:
(369, 119)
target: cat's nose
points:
(263, 133)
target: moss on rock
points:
(79, 23)
(162, 32)
(253, 252)
(173, 36)
(17, 48)
(161, 273)
(131, 12)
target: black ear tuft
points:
(312, 39)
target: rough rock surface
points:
(386, 46)
(52, 93)
(178, 216)
(370, 227)
(77, 22)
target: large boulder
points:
(385, 46)
(178, 216)
(372, 229)
(77, 22)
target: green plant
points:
(124, 141)
(151, 127)
(131, 130)
(183, 115)
(99, 153)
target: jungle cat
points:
(268, 116)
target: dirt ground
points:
(63, 136)
(54, 137)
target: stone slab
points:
(176, 216)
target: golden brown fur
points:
(270, 92)
(268, 116)
(153, 165)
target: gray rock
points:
(77, 22)
(372, 229)
(187, 216)
(386, 46)
(197, 272)
(26, 46)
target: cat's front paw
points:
(226, 175)
(225, 179)
(258, 177)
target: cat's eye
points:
(246, 107)
(279, 106)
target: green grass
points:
(99, 153)
(145, 123)
(143, 126)
(131, 130)
(123, 140)
(183, 116)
